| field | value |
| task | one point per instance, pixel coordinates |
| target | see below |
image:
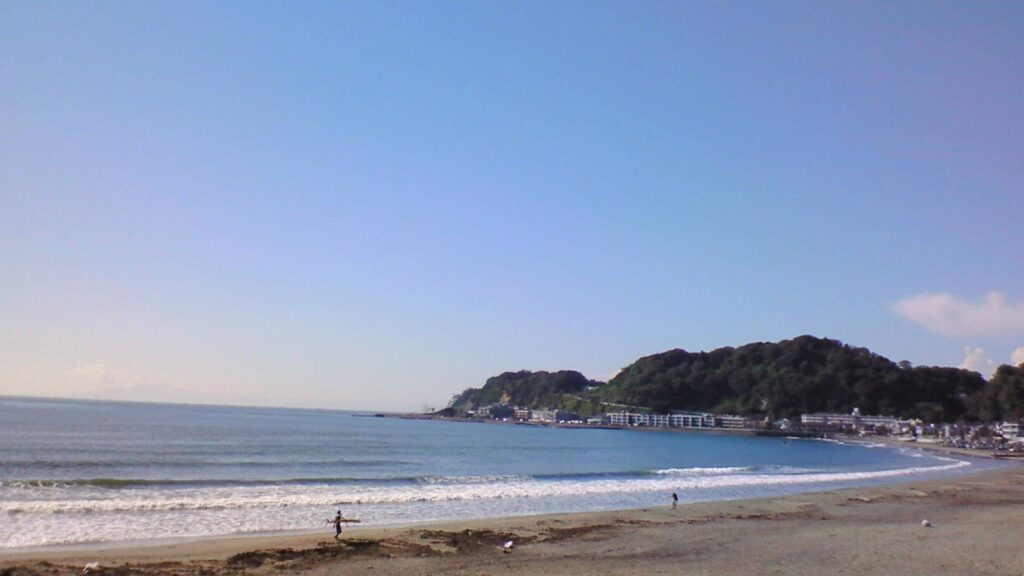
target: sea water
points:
(80, 471)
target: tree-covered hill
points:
(1002, 398)
(525, 388)
(791, 377)
(779, 379)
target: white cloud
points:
(976, 360)
(1017, 356)
(92, 372)
(946, 314)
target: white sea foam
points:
(86, 514)
(699, 471)
(215, 471)
(835, 441)
(792, 470)
(241, 497)
(472, 479)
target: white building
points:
(890, 422)
(832, 420)
(618, 418)
(681, 419)
(627, 419)
(850, 421)
(730, 421)
(542, 415)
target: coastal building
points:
(552, 415)
(1010, 430)
(890, 423)
(658, 420)
(684, 419)
(522, 414)
(830, 420)
(854, 422)
(731, 422)
(677, 419)
(627, 419)
(542, 415)
(495, 411)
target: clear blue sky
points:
(375, 205)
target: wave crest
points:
(701, 471)
(244, 497)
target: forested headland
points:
(776, 379)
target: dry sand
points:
(977, 529)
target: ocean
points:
(74, 472)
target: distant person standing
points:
(675, 500)
(337, 525)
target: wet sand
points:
(976, 529)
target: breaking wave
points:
(440, 489)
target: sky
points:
(375, 205)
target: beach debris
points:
(473, 540)
(507, 546)
(926, 524)
(91, 567)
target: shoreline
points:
(578, 426)
(216, 552)
(971, 509)
(238, 540)
(801, 434)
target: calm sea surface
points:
(76, 471)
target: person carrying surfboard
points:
(338, 519)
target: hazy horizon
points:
(165, 395)
(372, 207)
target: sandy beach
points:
(975, 529)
